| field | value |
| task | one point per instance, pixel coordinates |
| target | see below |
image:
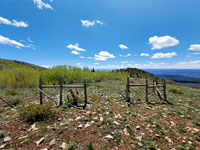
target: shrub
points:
(37, 112)
(90, 146)
(176, 91)
(2, 134)
(12, 92)
(15, 101)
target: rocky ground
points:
(108, 122)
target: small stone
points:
(140, 144)
(53, 142)
(33, 128)
(172, 123)
(7, 139)
(126, 132)
(80, 126)
(44, 149)
(92, 122)
(168, 139)
(139, 138)
(2, 146)
(157, 135)
(87, 125)
(40, 141)
(59, 119)
(138, 127)
(101, 119)
(78, 118)
(109, 137)
(63, 146)
(107, 113)
(116, 123)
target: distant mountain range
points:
(189, 77)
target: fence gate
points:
(155, 86)
(61, 87)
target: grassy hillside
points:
(10, 64)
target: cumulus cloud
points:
(75, 47)
(40, 4)
(124, 62)
(162, 42)
(75, 52)
(13, 22)
(45, 66)
(144, 54)
(103, 56)
(125, 55)
(122, 46)
(7, 41)
(194, 47)
(163, 55)
(88, 23)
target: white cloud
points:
(194, 53)
(88, 23)
(7, 41)
(163, 55)
(78, 64)
(144, 54)
(89, 57)
(82, 57)
(45, 66)
(162, 42)
(75, 52)
(40, 4)
(13, 22)
(103, 56)
(124, 62)
(125, 55)
(96, 63)
(194, 47)
(122, 46)
(75, 47)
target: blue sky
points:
(103, 34)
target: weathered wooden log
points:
(128, 90)
(147, 92)
(85, 94)
(61, 90)
(64, 86)
(50, 97)
(5, 101)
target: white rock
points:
(44, 149)
(109, 137)
(92, 122)
(87, 125)
(140, 144)
(138, 127)
(2, 146)
(101, 119)
(80, 126)
(53, 142)
(7, 139)
(40, 141)
(63, 146)
(116, 123)
(126, 132)
(78, 118)
(139, 138)
(33, 128)
(107, 113)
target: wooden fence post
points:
(128, 90)
(85, 94)
(154, 91)
(147, 92)
(40, 86)
(164, 91)
(61, 89)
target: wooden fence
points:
(162, 95)
(61, 87)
